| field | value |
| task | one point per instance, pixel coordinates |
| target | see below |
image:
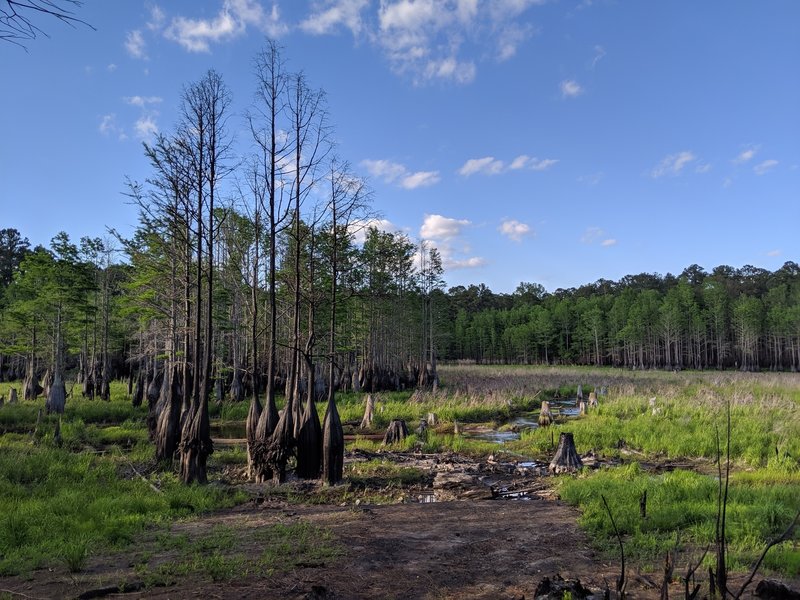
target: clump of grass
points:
(682, 505)
(56, 501)
(382, 473)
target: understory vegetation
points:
(86, 482)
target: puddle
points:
(229, 430)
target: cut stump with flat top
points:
(566, 459)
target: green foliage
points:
(681, 512)
(58, 504)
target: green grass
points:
(225, 553)
(685, 425)
(63, 505)
(681, 513)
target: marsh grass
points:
(63, 505)
(681, 513)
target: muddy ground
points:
(465, 533)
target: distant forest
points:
(114, 305)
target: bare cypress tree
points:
(205, 107)
(347, 202)
(271, 150)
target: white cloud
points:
(487, 165)
(157, 18)
(146, 128)
(764, 167)
(745, 155)
(328, 16)
(108, 127)
(594, 235)
(450, 69)
(420, 179)
(142, 101)
(599, 53)
(702, 168)
(473, 262)
(392, 172)
(447, 234)
(358, 229)
(511, 38)
(429, 40)
(570, 88)
(437, 227)
(232, 21)
(543, 164)
(673, 164)
(515, 230)
(111, 67)
(135, 44)
(774, 253)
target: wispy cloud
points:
(515, 230)
(392, 172)
(429, 40)
(135, 44)
(327, 17)
(146, 128)
(765, 167)
(774, 253)
(599, 53)
(489, 165)
(745, 155)
(358, 228)
(142, 101)
(448, 235)
(232, 21)
(108, 127)
(673, 164)
(570, 88)
(596, 235)
(702, 168)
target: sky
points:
(544, 141)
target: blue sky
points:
(555, 142)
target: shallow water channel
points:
(511, 431)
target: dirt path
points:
(461, 549)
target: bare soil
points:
(478, 540)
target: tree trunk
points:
(332, 445)
(545, 415)
(396, 432)
(369, 411)
(566, 459)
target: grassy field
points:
(95, 491)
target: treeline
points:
(747, 318)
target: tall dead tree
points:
(347, 202)
(271, 151)
(205, 107)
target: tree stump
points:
(593, 400)
(456, 428)
(581, 407)
(422, 430)
(545, 415)
(396, 432)
(580, 392)
(566, 459)
(433, 419)
(56, 396)
(12, 396)
(369, 413)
